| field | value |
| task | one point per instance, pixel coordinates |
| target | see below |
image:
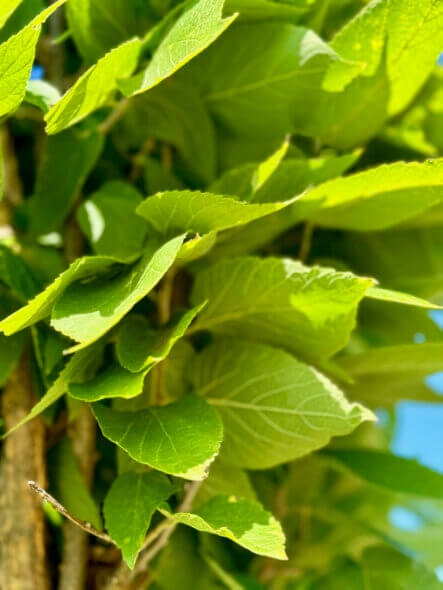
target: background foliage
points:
(221, 238)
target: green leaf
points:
(386, 568)
(197, 28)
(407, 360)
(139, 347)
(129, 505)
(86, 311)
(7, 8)
(97, 27)
(398, 297)
(76, 369)
(114, 381)
(267, 9)
(243, 521)
(225, 479)
(308, 311)
(181, 438)
(41, 94)
(16, 59)
(41, 306)
(412, 51)
(360, 41)
(274, 408)
(377, 198)
(175, 113)
(174, 211)
(69, 485)
(108, 219)
(93, 89)
(396, 474)
(58, 185)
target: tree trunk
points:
(23, 563)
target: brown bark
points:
(22, 528)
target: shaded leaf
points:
(129, 506)
(396, 474)
(108, 219)
(67, 161)
(139, 347)
(69, 485)
(114, 381)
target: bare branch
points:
(86, 526)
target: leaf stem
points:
(114, 116)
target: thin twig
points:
(306, 242)
(114, 116)
(86, 526)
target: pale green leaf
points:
(69, 485)
(274, 408)
(41, 306)
(266, 169)
(398, 297)
(6, 9)
(268, 10)
(108, 219)
(360, 41)
(396, 474)
(129, 506)
(308, 311)
(377, 198)
(16, 59)
(93, 89)
(139, 347)
(86, 311)
(76, 369)
(175, 211)
(57, 184)
(243, 521)
(415, 40)
(41, 94)
(197, 28)
(114, 381)
(182, 438)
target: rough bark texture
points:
(22, 527)
(73, 569)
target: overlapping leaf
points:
(129, 506)
(16, 59)
(378, 198)
(86, 311)
(309, 311)
(181, 438)
(274, 408)
(197, 28)
(93, 89)
(243, 521)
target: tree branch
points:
(86, 526)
